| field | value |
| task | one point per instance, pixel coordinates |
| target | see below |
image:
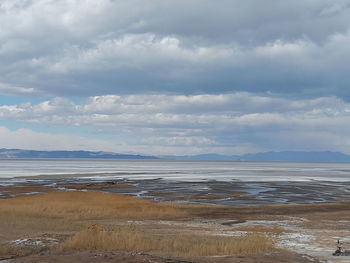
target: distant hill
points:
(204, 157)
(286, 156)
(22, 154)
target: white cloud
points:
(191, 141)
(33, 140)
(7, 89)
(29, 139)
(217, 121)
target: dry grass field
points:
(97, 221)
(64, 213)
(77, 205)
(177, 244)
(70, 214)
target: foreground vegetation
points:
(77, 205)
(100, 221)
(131, 238)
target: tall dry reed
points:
(132, 238)
(77, 205)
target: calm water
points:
(176, 170)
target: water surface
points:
(177, 170)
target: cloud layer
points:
(176, 124)
(72, 47)
(197, 76)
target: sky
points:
(175, 77)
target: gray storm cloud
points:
(87, 48)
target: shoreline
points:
(192, 192)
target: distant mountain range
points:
(286, 156)
(31, 154)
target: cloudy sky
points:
(175, 76)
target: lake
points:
(177, 170)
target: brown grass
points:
(133, 238)
(67, 212)
(78, 205)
